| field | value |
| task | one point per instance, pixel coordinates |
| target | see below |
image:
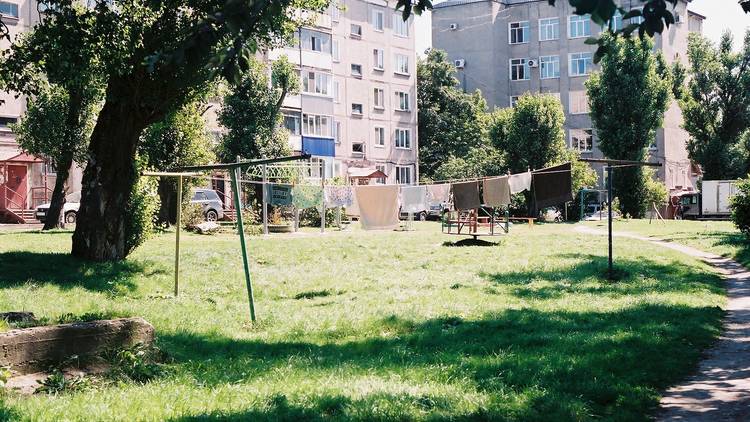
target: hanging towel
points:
(552, 186)
(278, 195)
(414, 199)
(339, 196)
(496, 191)
(466, 195)
(519, 182)
(307, 196)
(378, 206)
(439, 194)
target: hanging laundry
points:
(339, 196)
(552, 186)
(307, 196)
(439, 194)
(414, 199)
(496, 191)
(278, 195)
(465, 195)
(519, 182)
(378, 206)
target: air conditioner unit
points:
(459, 63)
(533, 63)
(453, 26)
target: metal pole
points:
(265, 202)
(323, 201)
(241, 231)
(177, 238)
(609, 222)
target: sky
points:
(720, 15)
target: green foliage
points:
(250, 112)
(58, 383)
(716, 106)
(141, 212)
(4, 375)
(452, 123)
(654, 191)
(139, 363)
(192, 215)
(740, 205)
(628, 98)
(478, 162)
(311, 217)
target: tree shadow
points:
(564, 365)
(66, 271)
(587, 275)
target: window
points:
(316, 125)
(316, 41)
(317, 83)
(357, 109)
(356, 31)
(380, 137)
(400, 27)
(378, 99)
(549, 67)
(358, 148)
(616, 22)
(637, 19)
(402, 64)
(377, 20)
(8, 9)
(580, 64)
(337, 131)
(518, 32)
(335, 50)
(380, 168)
(549, 29)
(378, 59)
(579, 102)
(578, 26)
(402, 138)
(335, 12)
(336, 95)
(514, 100)
(519, 69)
(403, 175)
(357, 70)
(292, 124)
(582, 140)
(5, 123)
(402, 101)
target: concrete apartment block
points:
(357, 106)
(506, 48)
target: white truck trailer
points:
(715, 198)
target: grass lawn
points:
(381, 326)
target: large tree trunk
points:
(52, 220)
(107, 183)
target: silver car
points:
(213, 208)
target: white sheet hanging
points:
(378, 206)
(414, 199)
(520, 182)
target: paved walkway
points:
(720, 390)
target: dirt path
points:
(720, 390)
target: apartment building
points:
(506, 48)
(356, 111)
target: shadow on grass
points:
(736, 240)
(588, 275)
(470, 242)
(532, 364)
(66, 271)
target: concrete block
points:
(29, 350)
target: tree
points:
(716, 106)
(628, 98)
(154, 56)
(451, 122)
(478, 162)
(251, 112)
(44, 132)
(181, 139)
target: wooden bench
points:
(529, 219)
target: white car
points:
(70, 209)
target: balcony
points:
(317, 146)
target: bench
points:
(529, 219)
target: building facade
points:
(356, 110)
(506, 48)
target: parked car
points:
(70, 209)
(213, 208)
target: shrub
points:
(311, 217)
(58, 383)
(654, 192)
(192, 215)
(140, 217)
(139, 363)
(740, 205)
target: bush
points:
(192, 215)
(311, 217)
(740, 205)
(141, 212)
(654, 192)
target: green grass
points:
(381, 325)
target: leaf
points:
(591, 41)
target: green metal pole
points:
(177, 238)
(241, 230)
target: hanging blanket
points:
(307, 196)
(552, 186)
(439, 194)
(466, 195)
(519, 182)
(496, 191)
(278, 195)
(339, 196)
(378, 206)
(413, 199)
